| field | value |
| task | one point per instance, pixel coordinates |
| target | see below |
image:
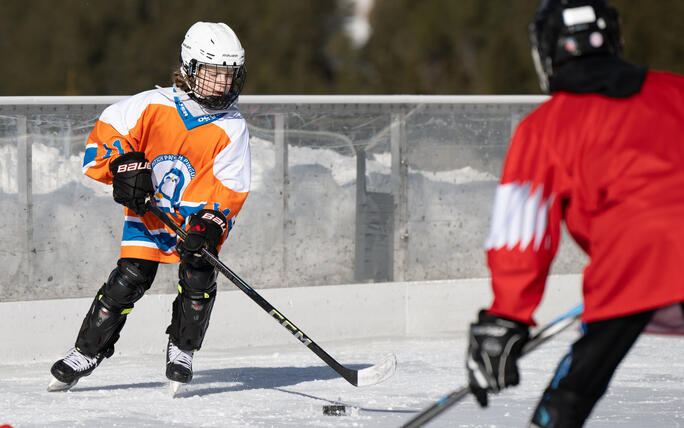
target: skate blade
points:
(56, 385)
(175, 387)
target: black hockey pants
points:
(583, 375)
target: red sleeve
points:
(525, 226)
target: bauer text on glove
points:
(206, 229)
(132, 181)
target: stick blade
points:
(377, 373)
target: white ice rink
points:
(287, 385)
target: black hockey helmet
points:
(567, 29)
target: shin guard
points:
(192, 307)
(126, 285)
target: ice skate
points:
(178, 367)
(67, 371)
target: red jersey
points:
(613, 170)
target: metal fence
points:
(344, 189)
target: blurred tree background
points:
(100, 47)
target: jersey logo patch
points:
(171, 175)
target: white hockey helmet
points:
(215, 45)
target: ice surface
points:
(288, 386)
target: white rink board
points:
(44, 330)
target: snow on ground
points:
(287, 387)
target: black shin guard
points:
(126, 285)
(192, 307)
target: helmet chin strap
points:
(541, 72)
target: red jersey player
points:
(604, 155)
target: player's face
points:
(214, 80)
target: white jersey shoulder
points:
(232, 166)
(123, 115)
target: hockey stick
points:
(547, 332)
(363, 377)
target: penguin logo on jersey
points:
(171, 175)
(171, 185)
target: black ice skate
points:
(67, 371)
(178, 366)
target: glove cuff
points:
(485, 317)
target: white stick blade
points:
(377, 373)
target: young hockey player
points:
(187, 148)
(604, 155)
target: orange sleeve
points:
(116, 132)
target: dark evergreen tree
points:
(98, 47)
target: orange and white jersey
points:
(199, 159)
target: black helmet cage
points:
(553, 42)
(218, 102)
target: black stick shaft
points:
(349, 374)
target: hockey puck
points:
(334, 410)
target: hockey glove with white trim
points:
(132, 181)
(206, 229)
(495, 346)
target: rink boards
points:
(44, 330)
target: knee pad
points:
(126, 285)
(195, 280)
(192, 307)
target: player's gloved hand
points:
(132, 181)
(495, 346)
(206, 229)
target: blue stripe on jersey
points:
(191, 121)
(217, 207)
(117, 145)
(136, 231)
(187, 210)
(90, 154)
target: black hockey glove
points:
(206, 230)
(495, 346)
(132, 181)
